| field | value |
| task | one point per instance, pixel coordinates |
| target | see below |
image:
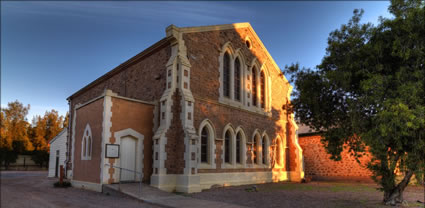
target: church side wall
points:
(144, 80)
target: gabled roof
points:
(57, 136)
(233, 26)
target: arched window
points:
(263, 89)
(255, 159)
(238, 147)
(227, 147)
(89, 146)
(237, 80)
(254, 86)
(86, 144)
(263, 150)
(204, 145)
(226, 75)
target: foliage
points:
(40, 157)
(369, 92)
(17, 136)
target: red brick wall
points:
(175, 147)
(138, 116)
(92, 114)
(318, 165)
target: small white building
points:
(57, 153)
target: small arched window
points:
(204, 145)
(238, 147)
(226, 75)
(227, 147)
(263, 89)
(237, 80)
(254, 86)
(86, 144)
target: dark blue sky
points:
(52, 49)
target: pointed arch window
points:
(226, 75)
(86, 144)
(263, 150)
(237, 81)
(254, 86)
(255, 159)
(238, 147)
(263, 89)
(204, 145)
(227, 147)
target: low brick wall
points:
(319, 166)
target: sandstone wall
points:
(318, 165)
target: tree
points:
(45, 129)
(14, 134)
(66, 120)
(54, 124)
(368, 93)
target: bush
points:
(65, 184)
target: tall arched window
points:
(263, 89)
(227, 147)
(238, 147)
(263, 150)
(204, 145)
(254, 86)
(237, 80)
(86, 144)
(255, 149)
(226, 75)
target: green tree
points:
(368, 92)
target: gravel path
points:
(313, 194)
(34, 189)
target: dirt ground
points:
(313, 194)
(34, 189)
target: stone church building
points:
(203, 106)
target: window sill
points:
(240, 105)
(206, 166)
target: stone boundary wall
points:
(319, 166)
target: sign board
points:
(112, 151)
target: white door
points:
(128, 158)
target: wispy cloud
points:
(133, 11)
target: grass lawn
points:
(313, 194)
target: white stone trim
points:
(232, 149)
(266, 139)
(74, 120)
(106, 135)
(234, 179)
(243, 150)
(245, 101)
(139, 153)
(256, 135)
(235, 26)
(87, 185)
(87, 143)
(211, 145)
